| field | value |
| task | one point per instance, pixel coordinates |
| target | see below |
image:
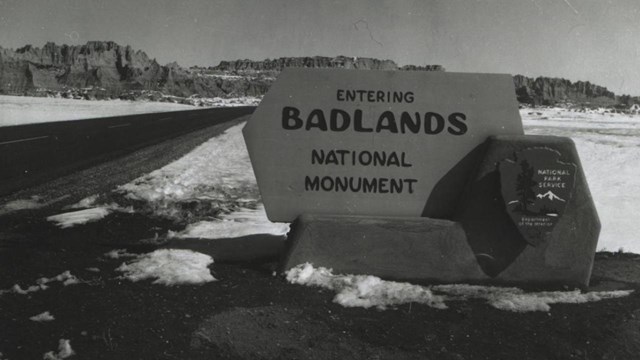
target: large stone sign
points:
(355, 142)
(528, 213)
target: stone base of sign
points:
(564, 257)
(407, 249)
(250, 248)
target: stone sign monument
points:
(348, 142)
(419, 176)
(528, 214)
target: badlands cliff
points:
(104, 69)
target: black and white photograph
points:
(328, 179)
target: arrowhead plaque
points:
(536, 188)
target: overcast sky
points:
(594, 40)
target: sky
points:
(589, 40)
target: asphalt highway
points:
(35, 153)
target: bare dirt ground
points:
(252, 313)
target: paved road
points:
(117, 170)
(35, 153)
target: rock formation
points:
(105, 65)
(104, 69)
(422, 68)
(549, 91)
(309, 62)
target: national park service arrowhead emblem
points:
(536, 188)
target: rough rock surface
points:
(103, 69)
(548, 91)
(100, 64)
(395, 248)
(564, 257)
(107, 69)
(342, 62)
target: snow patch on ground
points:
(240, 223)
(45, 316)
(64, 351)
(517, 300)
(88, 202)
(66, 278)
(70, 219)
(21, 204)
(224, 102)
(214, 179)
(213, 188)
(370, 291)
(222, 76)
(170, 267)
(119, 253)
(35, 202)
(363, 290)
(81, 217)
(18, 110)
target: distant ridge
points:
(549, 91)
(105, 69)
(342, 62)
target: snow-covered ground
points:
(18, 110)
(66, 278)
(370, 291)
(239, 223)
(64, 351)
(213, 188)
(609, 149)
(45, 316)
(169, 267)
(80, 217)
